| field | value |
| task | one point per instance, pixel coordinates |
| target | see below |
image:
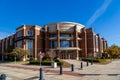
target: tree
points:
(113, 51)
(9, 50)
(51, 55)
(19, 53)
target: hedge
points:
(95, 60)
(45, 62)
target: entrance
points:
(67, 54)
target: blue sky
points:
(102, 15)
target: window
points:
(19, 44)
(11, 42)
(29, 33)
(19, 34)
(29, 46)
(53, 44)
(6, 43)
(53, 35)
(64, 43)
(65, 35)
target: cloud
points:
(3, 35)
(99, 12)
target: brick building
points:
(68, 39)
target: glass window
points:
(53, 35)
(64, 35)
(2, 46)
(29, 33)
(19, 44)
(11, 42)
(29, 46)
(53, 44)
(6, 43)
(64, 43)
(19, 34)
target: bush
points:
(91, 59)
(56, 60)
(45, 62)
(97, 60)
(31, 58)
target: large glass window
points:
(64, 35)
(2, 46)
(19, 44)
(29, 46)
(6, 43)
(64, 43)
(11, 42)
(19, 34)
(53, 35)
(53, 44)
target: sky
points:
(102, 15)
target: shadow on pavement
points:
(31, 78)
(100, 74)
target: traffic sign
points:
(41, 56)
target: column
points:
(58, 36)
(83, 43)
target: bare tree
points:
(51, 54)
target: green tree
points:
(9, 50)
(19, 53)
(113, 51)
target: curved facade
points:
(65, 38)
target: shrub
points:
(97, 60)
(45, 62)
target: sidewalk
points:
(92, 72)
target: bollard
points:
(61, 72)
(41, 74)
(72, 67)
(3, 77)
(81, 65)
(91, 62)
(87, 63)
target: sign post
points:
(41, 69)
(41, 56)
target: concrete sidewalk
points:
(109, 71)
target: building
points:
(68, 40)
